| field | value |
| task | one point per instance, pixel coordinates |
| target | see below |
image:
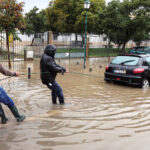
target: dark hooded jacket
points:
(48, 67)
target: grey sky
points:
(29, 4)
(41, 4)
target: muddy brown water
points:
(96, 116)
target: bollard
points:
(29, 73)
(90, 69)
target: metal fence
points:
(65, 41)
(68, 41)
(37, 43)
(95, 41)
(68, 45)
(17, 47)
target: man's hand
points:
(67, 70)
(17, 74)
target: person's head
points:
(50, 50)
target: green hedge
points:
(95, 52)
(70, 50)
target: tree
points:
(11, 19)
(121, 21)
(36, 22)
(142, 19)
(140, 36)
(92, 16)
(68, 16)
(62, 15)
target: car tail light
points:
(138, 70)
(107, 67)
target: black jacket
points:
(48, 66)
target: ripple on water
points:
(96, 113)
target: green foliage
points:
(95, 52)
(62, 15)
(73, 50)
(142, 20)
(36, 21)
(124, 21)
(11, 19)
(103, 52)
(11, 16)
(1, 29)
(69, 15)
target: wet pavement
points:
(96, 116)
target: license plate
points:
(120, 71)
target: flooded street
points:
(96, 116)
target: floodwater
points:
(96, 116)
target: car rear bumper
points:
(129, 79)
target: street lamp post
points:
(86, 7)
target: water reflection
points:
(97, 115)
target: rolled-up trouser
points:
(56, 92)
(5, 99)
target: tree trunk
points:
(33, 40)
(7, 43)
(109, 43)
(138, 43)
(76, 36)
(119, 45)
(123, 48)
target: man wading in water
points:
(49, 70)
(5, 99)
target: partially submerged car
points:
(131, 69)
(140, 50)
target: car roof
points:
(136, 55)
(140, 46)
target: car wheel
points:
(145, 83)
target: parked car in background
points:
(132, 69)
(140, 50)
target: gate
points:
(69, 45)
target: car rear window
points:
(147, 49)
(126, 60)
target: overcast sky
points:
(41, 4)
(29, 4)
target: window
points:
(126, 60)
(147, 49)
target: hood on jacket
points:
(50, 50)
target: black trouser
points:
(1, 110)
(56, 92)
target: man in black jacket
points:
(49, 70)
